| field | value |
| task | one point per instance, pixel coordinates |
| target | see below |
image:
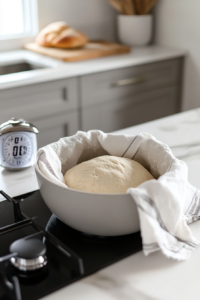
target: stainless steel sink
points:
(19, 67)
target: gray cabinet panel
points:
(107, 100)
(53, 128)
(130, 111)
(121, 83)
(36, 101)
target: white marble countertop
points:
(139, 277)
(57, 69)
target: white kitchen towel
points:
(165, 204)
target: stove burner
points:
(30, 254)
(26, 224)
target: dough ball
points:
(106, 174)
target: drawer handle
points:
(65, 94)
(65, 129)
(129, 81)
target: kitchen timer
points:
(18, 144)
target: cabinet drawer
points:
(53, 128)
(121, 83)
(39, 100)
(120, 114)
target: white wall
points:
(178, 25)
(96, 18)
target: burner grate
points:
(64, 266)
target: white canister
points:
(135, 30)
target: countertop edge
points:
(59, 70)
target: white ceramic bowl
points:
(99, 214)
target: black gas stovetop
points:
(71, 255)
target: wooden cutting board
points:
(92, 49)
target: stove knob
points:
(30, 254)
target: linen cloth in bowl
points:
(165, 205)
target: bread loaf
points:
(60, 35)
(106, 174)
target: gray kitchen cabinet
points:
(53, 128)
(39, 100)
(125, 97)
(51, 106)
(118, 114)
(108, 100)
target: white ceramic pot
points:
(135, 30)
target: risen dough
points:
(106, 174)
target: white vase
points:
(135, 30)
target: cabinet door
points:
(53, 128)
(130, 111)
(39, 100)
(104, 87)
